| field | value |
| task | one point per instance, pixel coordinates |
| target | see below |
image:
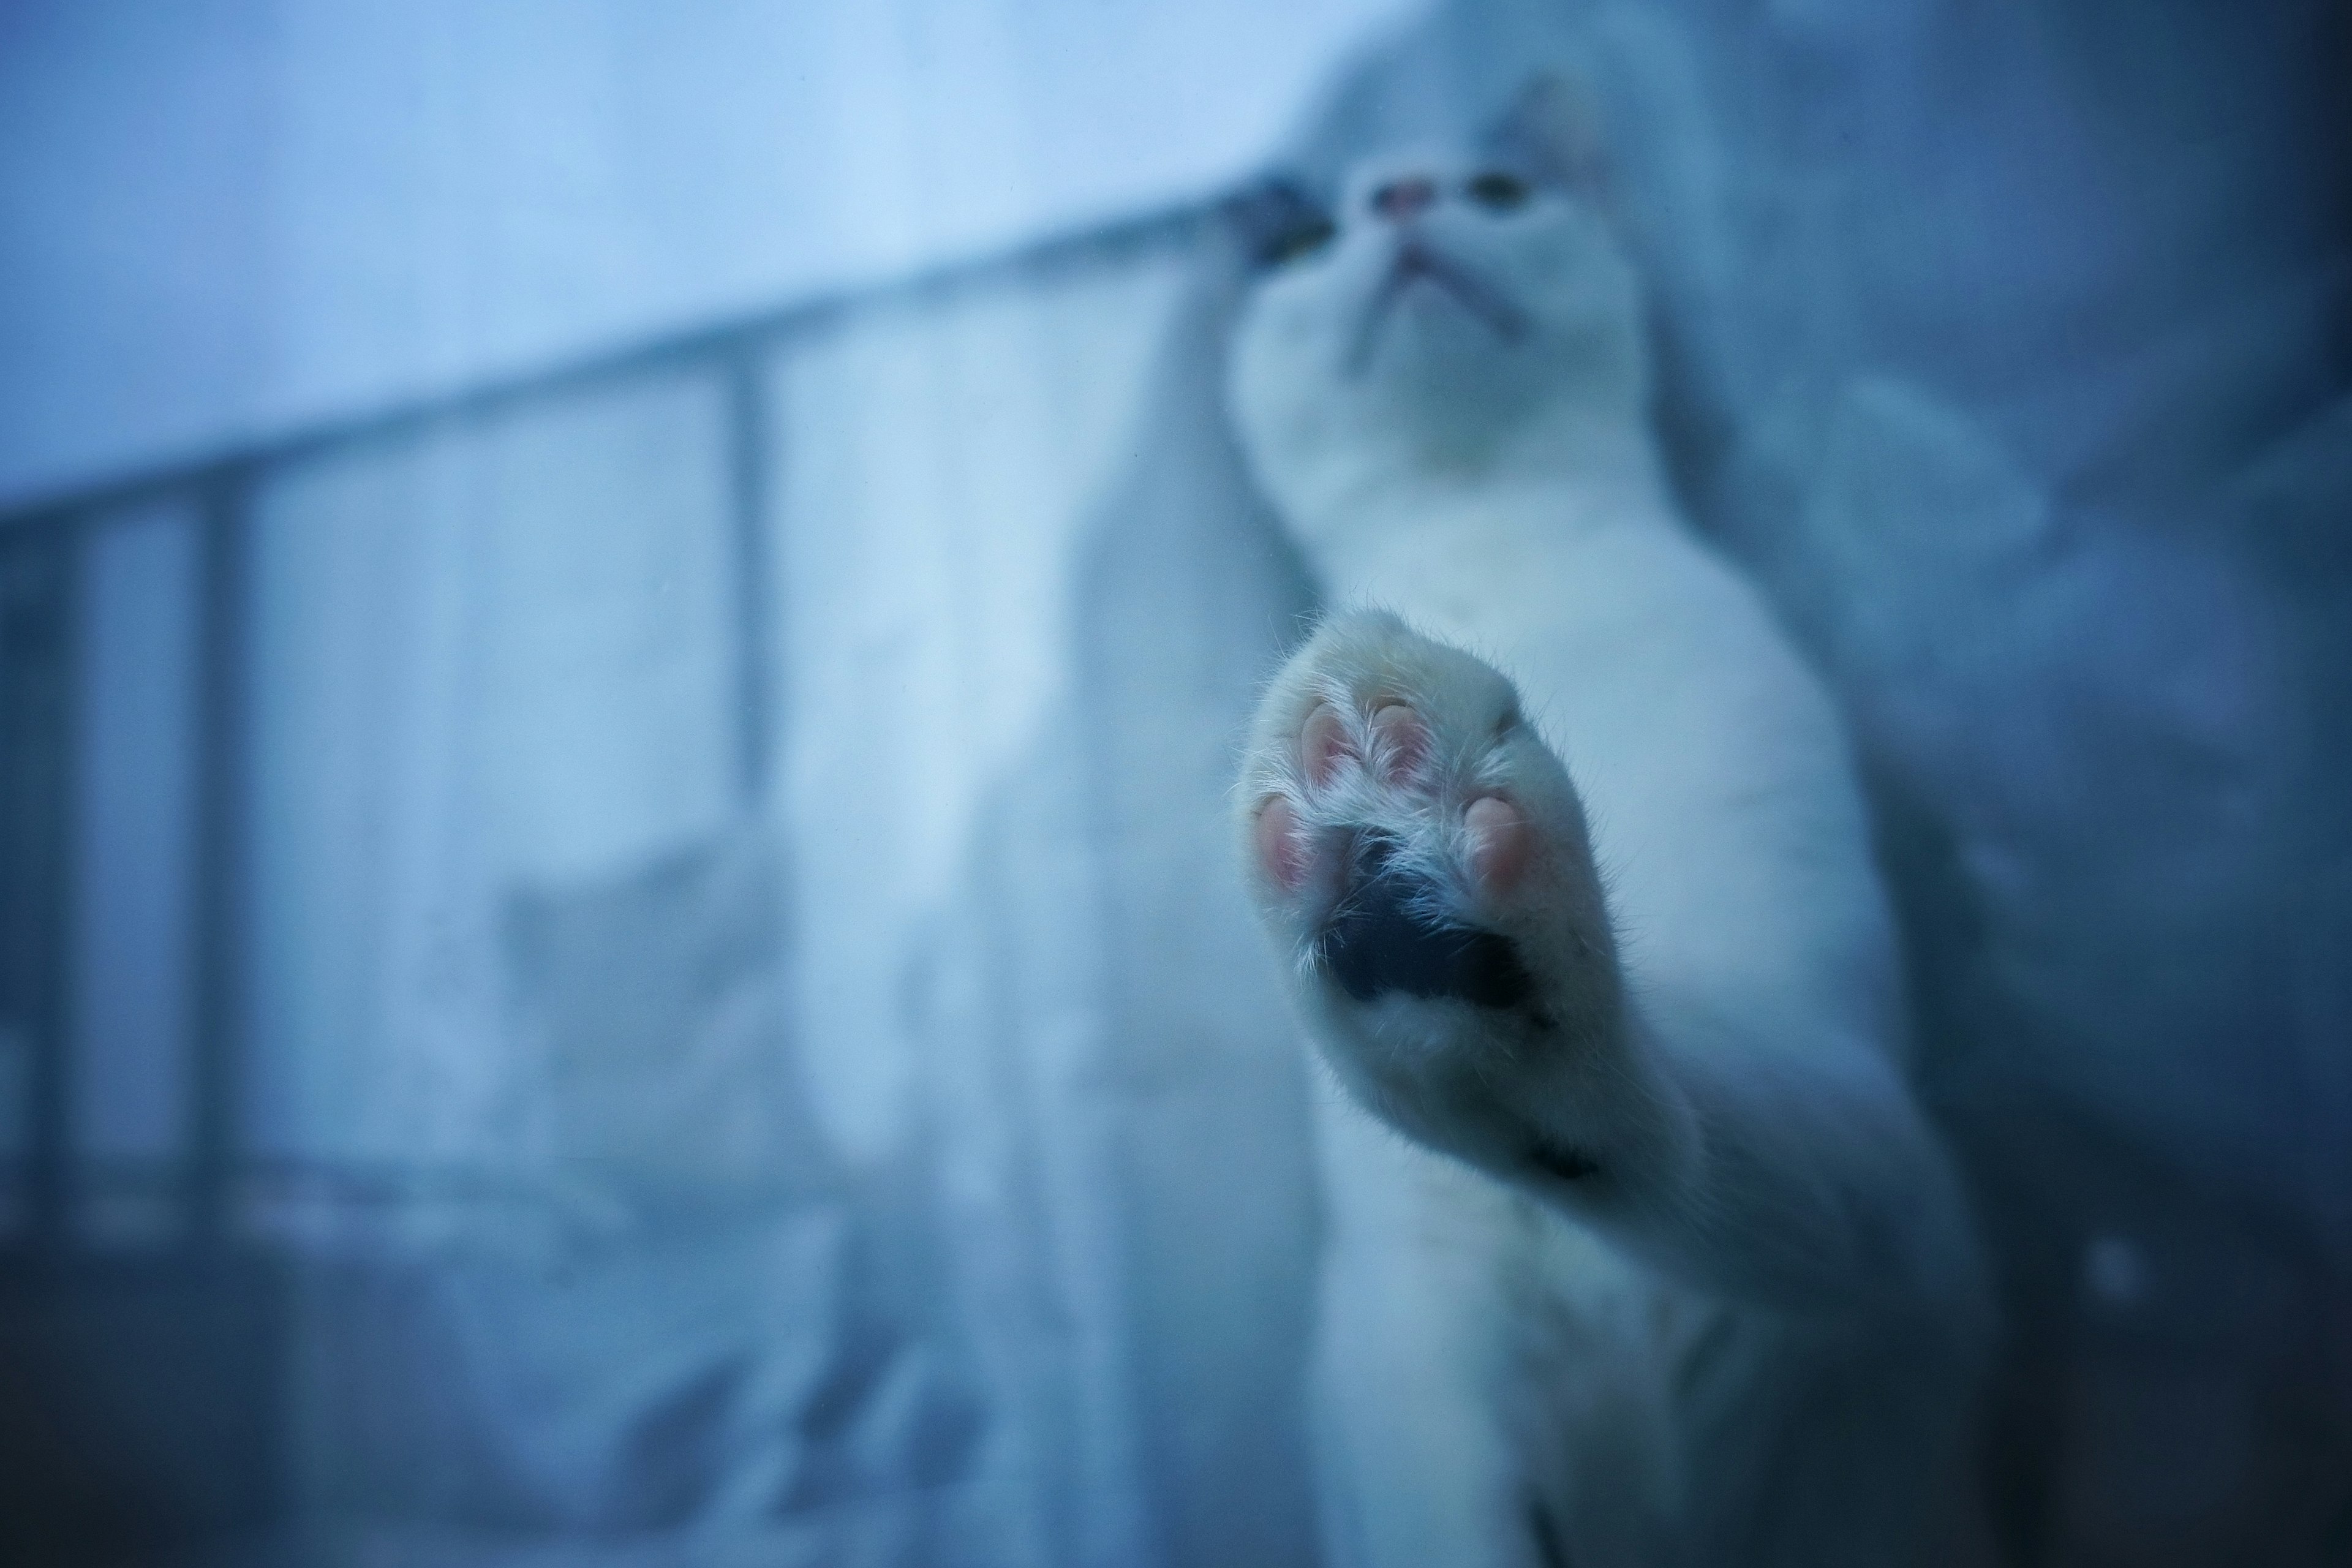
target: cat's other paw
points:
(1421, 857)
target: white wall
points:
(221, 217)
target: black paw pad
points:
(1381, 937)
(1561, 1163)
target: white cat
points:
(1666, 1268)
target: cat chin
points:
(1430, 292)
(1337, 400)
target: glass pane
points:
(482, 659)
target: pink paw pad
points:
(1280, 850)
(1399, 741)
(1501, 842)
(1322, 743)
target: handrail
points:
(39, 554)
(71, 504)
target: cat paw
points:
(1421, 856)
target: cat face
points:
(1441, 315)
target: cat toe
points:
(1502, 842)
(1400, 742)
(1281, 851)
(1324, 746)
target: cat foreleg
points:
(1435, 1431)
(1422, 857)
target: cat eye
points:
(1497, 190)
(1300, 242)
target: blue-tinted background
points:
(621, 633)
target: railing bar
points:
(757, 450)
(748, 458)
(671, 351)
(38, 620)
(218, 891)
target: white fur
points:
(1750, 1335)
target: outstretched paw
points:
(1423, 857)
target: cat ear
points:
(1554, 130)
(1273, 219)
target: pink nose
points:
(1399, 199)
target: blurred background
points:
(621, 631)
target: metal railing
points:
(43, 547)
